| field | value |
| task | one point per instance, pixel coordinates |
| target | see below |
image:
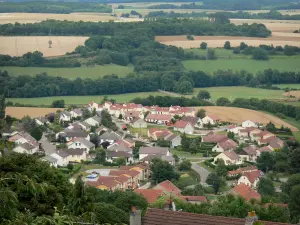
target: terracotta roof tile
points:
(246, 192)
(194, 198)
(151, 195)
(169, 187)
(253, 175)
(181, 124)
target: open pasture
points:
(20, 112)
(83, 72)
(19, 45)
(82, 100)
(238, 115)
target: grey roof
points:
(73, 151)
(66, 113)
(42, 119)
(62, 153)
(85, 124)
(139, 120)
(118, 154)
(97, 118)
(77, 110)
(50, 159)
(85, 142)
(75, 133)
(99, 129)
(167, 158)
(110, 136)
(171, 137)
(153, 150)
(27, 146)
(192, 120)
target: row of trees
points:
(157, 27)
(54, 7)
(43, 85)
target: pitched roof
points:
(213, 117)
(231, 155)
(119, 147)
(74, 133)
(194, 198)
(242, 170)
(246, 192)
(107, 181)
(84, 141)
(249, 150)
(66, 113)
(137, 119)
(50, 159)
(171, 137)
(109, 135)
(118, 154)
(168, 217)
(227, 144)
(215, 138)
(169, 187)
(191, 120)
(131, 173)
(73, 151)
(159, 117)
(181, 124)
(253, 175)
(151, 195)
(264, 149)
(153, 150)
(27, 146)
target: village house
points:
(93, 121)
(175, 140)
(157, 133)
(229, 158)
(51, 160)
(26, 148)
(112, 156)
(142, 168)
(76, 113)
(81, 143)
(134, 176)
(106, 183)
(84, 126)
(62, 158)
(214, 138)
(138, 123)
(273, 142)
(41, 121)
(131, 115)
(263, 149)
(100, 130)
(261, 135)
(183, 127)
(158, 118)
(226, 145)
(146, 151)
(251, 178)
(249, 123)
(241, 170)
(182, 111)
(234, 129)
(211, 119)
(245, 192)
(151, 195)
(68, 134)
(110, 137)
(65, 116)
(194, 121)
(22, 138)
(168, 188)
(248, 154)
(75, 155)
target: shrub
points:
(190, 37)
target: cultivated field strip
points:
(19, 45)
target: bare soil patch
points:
(292, 93)
(238, 115)
(19, 45)
(20, 112)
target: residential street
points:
(201, 171)
(48, 147)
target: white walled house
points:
(212, 119)
(41, 121)
(62, 158)
(138, 123)
(65, 116)
(229, 158)
(227, 145)
(75, 113)
(26, 148)
(93, 121)
(81, 143)
(146, 151)
(234, 129)
(249, 123)
(251, 179)
(183, 127)
(51, 160)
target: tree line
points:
(157, 27)
(43, 85)
(53, 7)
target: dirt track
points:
(238, 115)
(20, 112)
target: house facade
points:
(184, 127)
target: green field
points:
(92, 72)
(80, 100)
(296, 86)
(240, 92)
(253, 66)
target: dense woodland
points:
(53, 7)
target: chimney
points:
(135, 216)
(251, 218)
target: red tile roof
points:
(242, 170)
(159, 117)
(181, 124)
(194, 198)
(107, 181)
(214, 117)
(169, 187)
(231, 155)
(250, 150)
(215, 138)
(264, 149)
(166, 217)
(131, 173)
(228, 144)
(151, 195)
(246, 192)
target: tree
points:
(221, 169)
(201, 113)
(37, 133)
(190, 37)
(86, 113)
(70, 166)
(210, 54)
(294, 203)
(230, 135)
(294, 160)
(2, 107)
(163, 143)
(260, 54)
(243, 46)
(121, 161)
(129, 199)
(203, 95)
(100, 157)
(184, 87)
(203, 45)
(222, 101)
(176, 158)
(266, 187)
(215, 181)
(162, 170)
(266, 161)
(195, 191)
(185, 143)
(193, 147)
(58, 104)
(29, 124)
(185, 165)
(227, 45)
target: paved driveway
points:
(201, 171)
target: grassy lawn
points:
(80, 100)
(253, 66)
(186, 154)
(206, 167)
(92, 72)
(297, 86)
(241, 92)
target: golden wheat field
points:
(20, 112)
(19, 45)
(238, 115)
